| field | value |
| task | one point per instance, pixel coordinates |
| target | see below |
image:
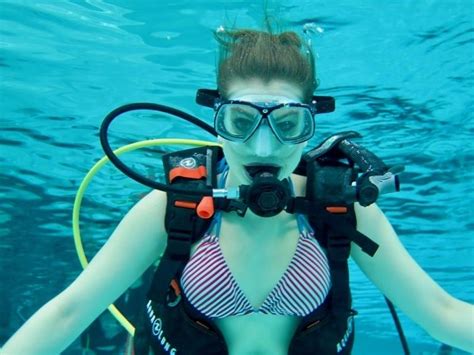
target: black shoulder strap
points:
(192, 169)
(333, 222)
(331, 194)
(330, 190)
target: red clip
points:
(205, 209)
(185, 204)
(176, 288)
(336, 209)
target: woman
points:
(263, 70)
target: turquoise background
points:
(401, 72)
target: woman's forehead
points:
(266, 98)
(255, 90)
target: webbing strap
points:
(338, 253)
(339, 248)
(341, 225)
(182, 226)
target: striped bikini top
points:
(211, 288)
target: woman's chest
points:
(260, 263)
(256, 263)
(257, 269)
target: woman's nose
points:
(264, 142)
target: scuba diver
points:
(253, 239)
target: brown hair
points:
(245, 54)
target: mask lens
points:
(236, 121)
(292, 124)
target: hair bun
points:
(289, 39)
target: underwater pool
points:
(401, 72)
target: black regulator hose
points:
(129, 172)
(398, 325)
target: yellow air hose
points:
(80, 194)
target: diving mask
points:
(286, 132)
(292, 122)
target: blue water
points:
(401, 71)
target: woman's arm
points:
(402, 280)
(137, 242)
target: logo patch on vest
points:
(188, 163)
(342, 344)
(157, 330)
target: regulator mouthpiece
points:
(266, 196)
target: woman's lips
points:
(254, 169)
